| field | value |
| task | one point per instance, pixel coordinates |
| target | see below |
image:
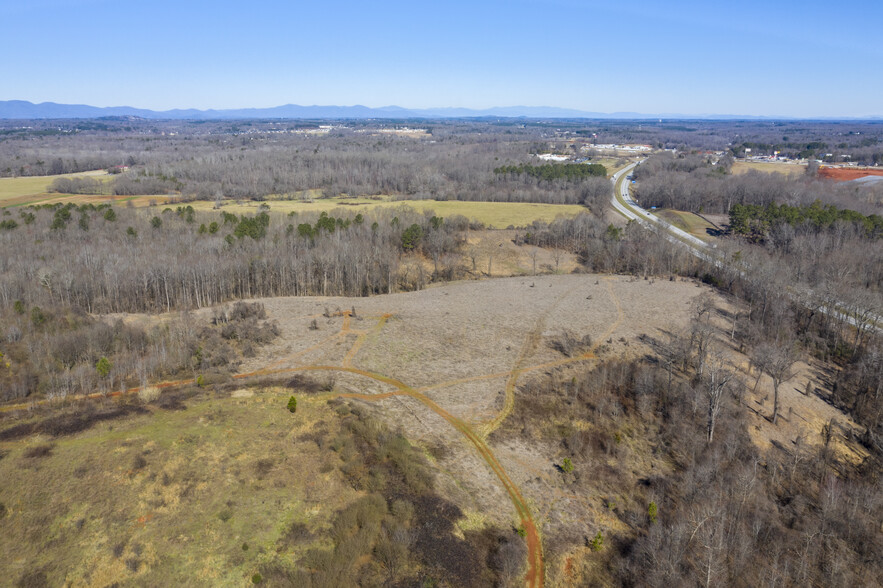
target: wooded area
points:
(801, 263)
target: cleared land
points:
(613, 164)
(844, 174)
(34, 189)
(25, 191)
(777, 167)
(493, 214)
(444, 365)
(687, 221)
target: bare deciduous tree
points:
(716, 379)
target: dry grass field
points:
(772, 167)
(492, 214)
(689, 222)
(34, 189)
(169, 497)
(24, 191)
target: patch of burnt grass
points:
(118, 549)
(174, 400)
(87, 415)
(262, 467)
(38, 451)
(33, 579)
(139, 463)
(305, 384)
(69, 424)
(18, 431)
(399, 533)
(296, 534)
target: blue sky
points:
(783, 58)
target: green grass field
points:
(202, 496)
(33, 190)
(686, 221)
(24, 191)
(493, 214)
(610, 164)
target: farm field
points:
(33, 189)
(24, 191)
(788, 169)
(492, 214)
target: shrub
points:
(292, 404)
(244, 310)
(567, 465)
(652, 512)
(37, 316)
(148, 394)
(200, 381)
(103, 367)
(597, 544)
(569, 344)
(256, 579)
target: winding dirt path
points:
(535, 576)
(530, 344)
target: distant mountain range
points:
(22, 109)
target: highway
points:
(622, 201)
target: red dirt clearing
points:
(844, 174)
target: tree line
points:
(567, 171)
(127, 260)
(755, 222)
(699, 183)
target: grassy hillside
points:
(213, 489)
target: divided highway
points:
(622, 201)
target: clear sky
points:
(779, 57)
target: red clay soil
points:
(844, 174)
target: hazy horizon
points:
(685, 57)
